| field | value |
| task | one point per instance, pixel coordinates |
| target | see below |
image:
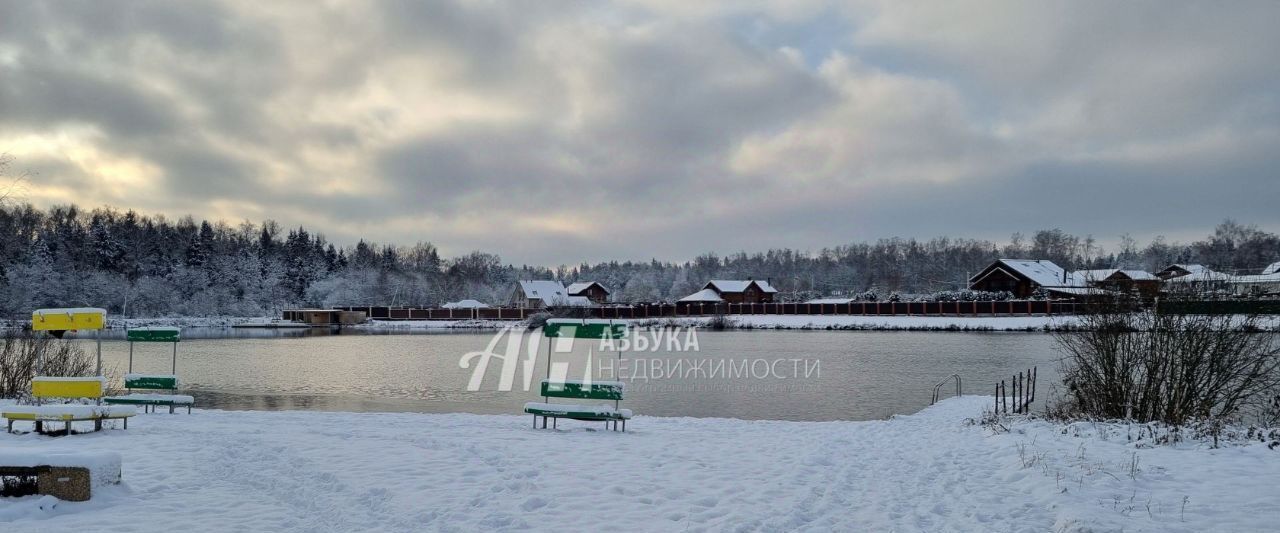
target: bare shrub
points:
(1147, 365)
(720, 322)
(21, 352)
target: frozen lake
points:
(782, 375)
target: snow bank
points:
(937, 470)
(944, 323)
(1003, 323)
(400, 325)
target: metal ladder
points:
(938, 388)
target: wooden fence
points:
(643, 311)
(1024, 393)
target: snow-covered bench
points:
(60, 387)
(595, 390)
(159, 382)
(66, 476)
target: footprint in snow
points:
(533, 504)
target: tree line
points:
(148, 265)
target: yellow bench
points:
(77, 387)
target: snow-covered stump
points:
(66, 476)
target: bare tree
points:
(12, 186)
(24, 353)
(1151, 365)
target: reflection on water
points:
(857, 375)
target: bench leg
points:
(97, 424)
(555, 421)
(126, 422)
(170, 408)
(10, 426)
(39, 426)
(188, 408)
(624, 425)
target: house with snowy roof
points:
(1023, 277)
(545, 293)
(750, 291)
(1178, 270)
(591, 290)
(1138, 282)
(1256, 284)
(704, 296)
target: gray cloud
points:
(555, 132)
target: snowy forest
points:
(147, 265)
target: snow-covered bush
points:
(537, 320)
(967, 295)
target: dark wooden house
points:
(751, 291)
(591, 290)
(1022, 277)
(1181, 269)
(1137, 282)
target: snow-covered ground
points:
(963, 323)
(939, 323)
(402, 325)
(937, 470)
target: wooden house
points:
(544, 293)
(751, 291)
(591, 290)
(1138, 282)
(1023, 277)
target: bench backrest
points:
(91, 387)
(151, 381)
(597, 390)
(153, 334)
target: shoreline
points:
(780, 322)
(1025, 324)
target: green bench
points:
(595, 390)
(149, 401)
(153, 382)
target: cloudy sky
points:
(554, 132)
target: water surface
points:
(808, 375)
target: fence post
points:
(1017, 394)
(1033, 382)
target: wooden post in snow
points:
(1033, 382)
